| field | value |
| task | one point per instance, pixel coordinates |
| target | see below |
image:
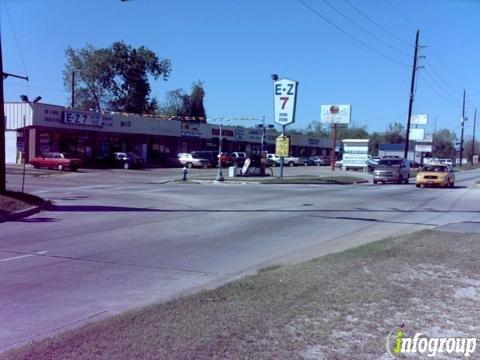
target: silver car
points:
(395, 170)
(193, 160)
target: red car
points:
(59, 161)
(225, 159)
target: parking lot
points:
(118, 239)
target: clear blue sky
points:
(234, 47)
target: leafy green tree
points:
(443, 144)
(376, 139)
(196, 100)
(178, 103)
(352, 132)
(114, 78)
(395, 133)
(317, 129)
(469, 151)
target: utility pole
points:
(3, 169)
(474, 125)
(412, 90)
(463, 127)
(73, 89)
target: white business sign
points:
(83, 118)
(428, 138)
(419, 119)
(417, 134)
(335, 114)
(284, 97)
(423, 147)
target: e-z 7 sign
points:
(284, 97)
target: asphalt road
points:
(115, 240)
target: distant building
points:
(398, 150)
(36, 128)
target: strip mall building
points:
(33, 129)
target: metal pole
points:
(262, 146)
(463, 127)
(474, 125)
(412, 91)
(3, 168)
(219, 165)
(24, 150)
(334, 143)
(282, 158)
(73, 89)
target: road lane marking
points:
(23, 256)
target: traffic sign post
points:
(284, 104)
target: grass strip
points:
(13, 201)
(340, 306)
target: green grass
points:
(338, 306)
(342, 180)
(13, 201)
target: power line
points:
(439, 86)
(15, 38)
(327, 20)
(441, 61)
(379, 26)
(448, 101)
(365, 30)
(439, 77)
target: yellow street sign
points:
(282, 146)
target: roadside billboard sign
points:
(335, 114)
(428, 138)
(419, 119)
(284, 101)
(417, 134)
(282, 146)
(423, 148)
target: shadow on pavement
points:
(37, 220)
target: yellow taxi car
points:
(436, 175)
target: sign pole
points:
(219, 165)
(282, 158)
(334, 140)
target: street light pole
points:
(463, 127)
(219, 165)
(25, 99)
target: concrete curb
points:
(26, 212)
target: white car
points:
(192, 160)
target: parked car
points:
(56, 160)
(238, 158)
(225, 159)
(307, 161)
(167, 160)
(446, 161)
(436, 175)
(320, 160)
(392, 170)
(211, 156)
(127, 160)
(192, 160)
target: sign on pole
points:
(419, 119)
(284, 97)
(417, 134)
(423, 148)
(282, 146)
(335, 114)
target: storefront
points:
(94, 136)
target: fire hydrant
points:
(184, 173)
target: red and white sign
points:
(284, 97)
